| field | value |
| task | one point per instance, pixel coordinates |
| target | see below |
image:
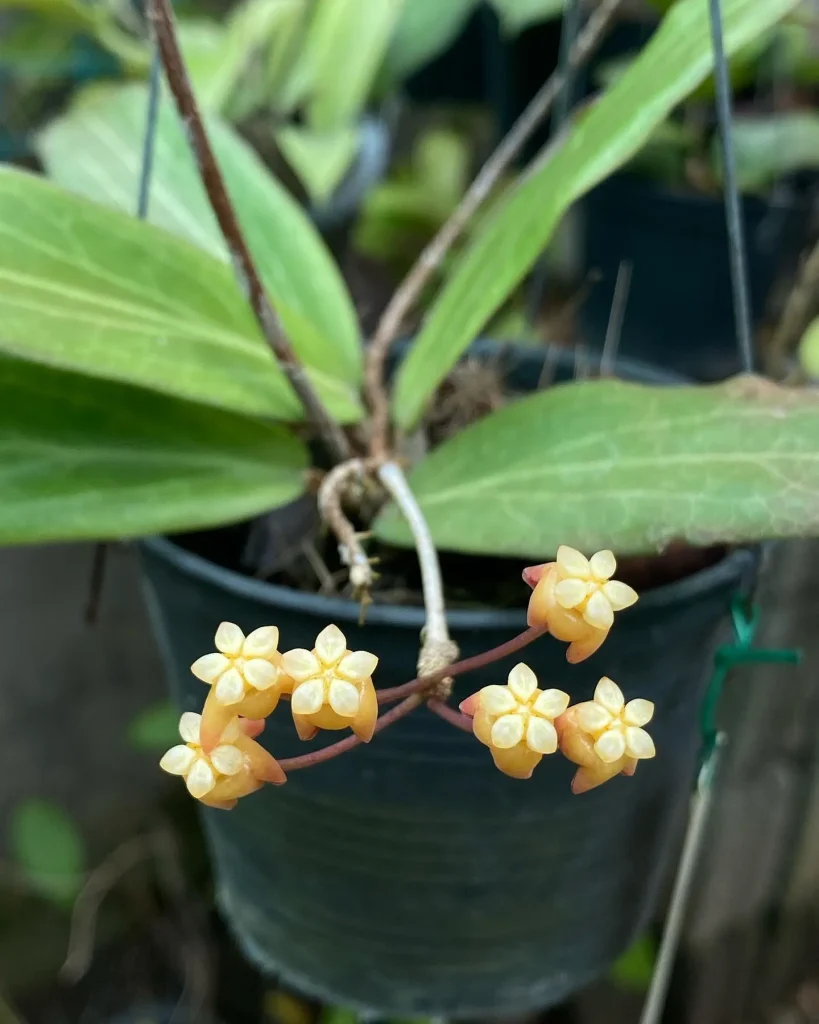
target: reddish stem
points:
(292, 764)
(458, 668)
(460, 721)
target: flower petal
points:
(551, 703)
(598, 611)
(189, 724)
(620, 595)
(541, 736)
(639, 744)
(638, 711)
(307, 697)
(300, 664)
(507, 732)
(229, 639)
(178, 760)
(497, 700)
(259, 673)
(602, 565)
(344, 698)
(572, 563)
(227, 759)
(231, 687)
(592, 717)
(571, 592)
(200, 779)
(522, 682)
(209, 667)
(261, 643)
(331, 645)
(610, 746)
(609, 694)
(357, 665)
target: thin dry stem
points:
(246, 273)
(86, 907)
(292, 764)
(433, 255)
(330, 503)
(799, 308)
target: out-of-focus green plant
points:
(138, 394)
(402, 214)
(48, 850)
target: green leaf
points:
(425, 28)
(516, 15)
(344, 49)
(49, 850)
(320, 159)
(769, 146)
(156, 728)
(674, 62)
(605, 464)
(95, 150)
(634, 968)
(68, 12)
(88, 459)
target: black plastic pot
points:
(411, 877)
(679, 314)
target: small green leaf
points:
(320, 159)
(95, 150)
(605, 464)
(425, 28)
(674, 62)
(633, 970)
(516, 15)
(48, 849)
(345, 46)
(156, 728)
(90, 289)
(767, 147)
(87, 459)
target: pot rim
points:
(736, 564)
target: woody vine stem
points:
(435, 663)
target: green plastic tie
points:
(745, 619)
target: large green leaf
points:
(83, 458)
(48, 849)
(675, 61)
(95, 150)
(343, 52)
(90, 289)
(605, 464)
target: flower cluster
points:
(331, 687)
(520, 723)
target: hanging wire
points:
(569, 30)
(149, 139)
(99, 561)
(692, 847)
(617, 314)
(733, 210)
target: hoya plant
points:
(207, 367)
